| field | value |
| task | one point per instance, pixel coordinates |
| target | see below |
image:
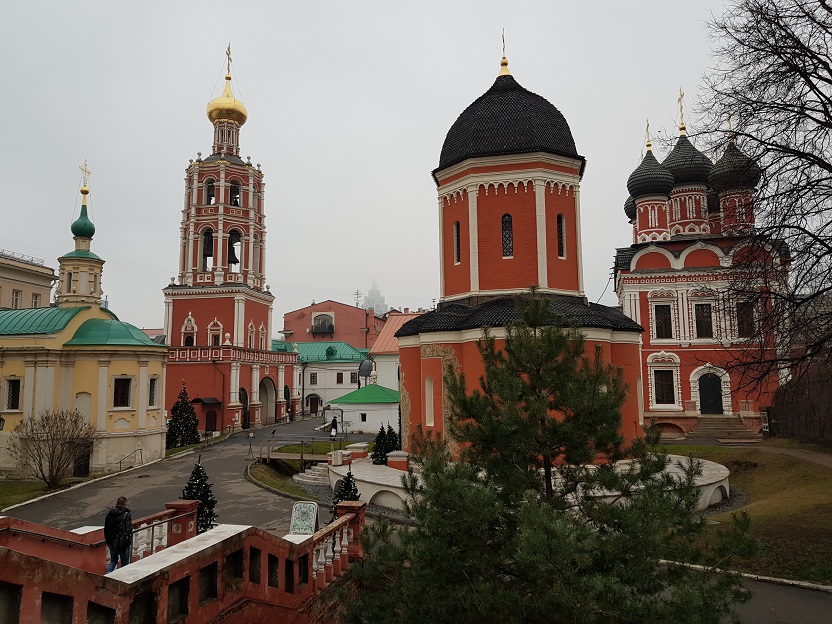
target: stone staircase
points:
(317, 474)
(722, 427)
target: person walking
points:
(118, 533)
(333, 428)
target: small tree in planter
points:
(380, 448)
(346, 489)
(199, 489)
(183, 428)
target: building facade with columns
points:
(508, 185)
(77, 355)
(218, 309)
(697, 279)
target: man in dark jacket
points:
(118, 533)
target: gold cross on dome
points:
(681, 109)
(85, 172)
(228, 56)
(504, 42)
(647, 134)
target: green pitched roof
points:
(282, 346)
(371, 393)
(80, 253)
(36, 320)
(331, 351)
(99, 332)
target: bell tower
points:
(218, 308)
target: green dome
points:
(82, 226)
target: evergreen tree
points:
(379, 454)
(199, 489)
(393, 443)
(516, 532)
(183, 427)
(346, 489)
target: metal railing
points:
(13, 255)
(141, 459)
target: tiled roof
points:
(565, 311)
(687, 164)
(333, 351)
(36, 320)
(649, 178)
(108, 332)
(371, 393)
(507, 119)
(734, 170)
(387, 341)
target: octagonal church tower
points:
(218, 309)
(508, 183)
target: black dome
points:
(649, 178)
(630, 208)
(733, 171)
(687, 164)
(507, 119)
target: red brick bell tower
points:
(218, 310)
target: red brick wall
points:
(562, 272)
(457, 276)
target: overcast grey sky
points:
(349, 103)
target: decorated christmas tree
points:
(199, 489)
(380, 447)
(393, 443)
(346, 490)
(183, 427)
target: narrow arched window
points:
(234, 200)
(457, 250)
(235, 251)
(189, 341)
(210, 192)
(508, 237)
(94, 284)
(208, 250)
(561, 236)
(69, 281)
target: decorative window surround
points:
(725, 380)
(664, 361)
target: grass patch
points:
(796, 444)
(14, 492)
(789, 502)
(277, 477)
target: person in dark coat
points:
(333, 428)
(118, 533)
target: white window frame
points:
(6, 382)
(17, 297)
(153, 392)
(35, 300)
(664, 297)
(664, 361)
(130, 393)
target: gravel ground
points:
(737, 499)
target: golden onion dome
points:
(227, 106)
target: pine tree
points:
(183, 427)
(512, 532)
(393, 443)
(346, 489)
(379, 454)
(199, 489)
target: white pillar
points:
(540, 222)
(45, 382)
(577, 192)
(239, 321)
(103, 395)
(473, 240)
(29, 389)
(441, 250)
(255, 383)
(142, 396)
(234, 383)
(281, 381)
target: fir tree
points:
(393, 443)
(512, 533)
(379, 454)
(346, 489)
(199, 489)
(183, 427)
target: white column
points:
(29, 389)
(473, 240)
(577, 192)
(239, 321)
(142, 395)
(441, 251)
(103, 395)
(540, 222)
(281, 381)
(255, 383)
(234, 383)
(45, 382)
(269, 328)
(168, 320)
(65, 397)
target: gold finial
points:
(504, 61)
(85, 177)
(682, 129)
(647, 134)
(228, 56)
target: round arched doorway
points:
(246, 419)
(268, 400)
(710, 394)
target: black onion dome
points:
(649, 178)
(733, 171)
(687, 164)
(507, 119)
(630, 208)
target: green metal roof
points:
(282, 346)
(80, 253)
(330, 351)
(36, 320)
(371, 393)
(99, 332)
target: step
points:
(310, 479)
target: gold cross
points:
(504, 42)
(228, 55)
(681, 108)
(647, 133)
(85, 172)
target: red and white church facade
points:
(696, 280)
(508, 182)
(218, 310)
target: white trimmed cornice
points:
(508, 161)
